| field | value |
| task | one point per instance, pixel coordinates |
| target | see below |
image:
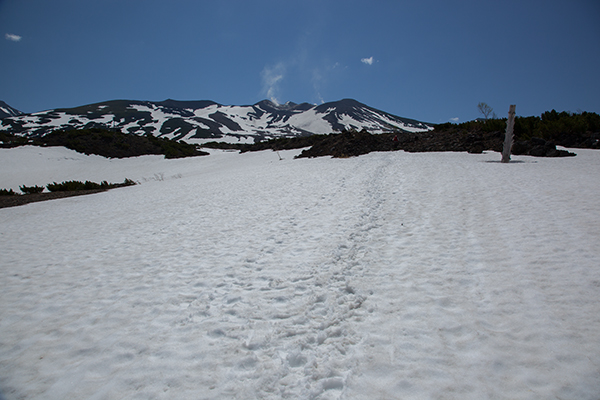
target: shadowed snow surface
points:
(386, 276)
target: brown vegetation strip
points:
(19, 200)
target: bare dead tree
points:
(508, 137)
(486, 110)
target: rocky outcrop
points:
(538, 148)
(352, 143)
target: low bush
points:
(9, 192)
(31, 189)
(68, 186)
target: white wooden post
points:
(508, 137)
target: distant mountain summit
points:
(8, 111)
(203, 121)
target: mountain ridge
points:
(199, 121)
(8, 111)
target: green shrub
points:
(31, 189)
(93, 185)
(4, 192)
(68, 186)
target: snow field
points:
(485, 284)
(390, 275)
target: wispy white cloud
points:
(13, 37)
(455, 119)
(368, 61)
(271, 77)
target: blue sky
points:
(431, 60)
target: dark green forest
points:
(577, 130)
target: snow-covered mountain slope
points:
(386, 276)
(201, 121)
(8, 111)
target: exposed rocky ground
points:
(353, 143)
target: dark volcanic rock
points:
(537, 151)
(538, 148)
(349, 144)
(470, 137)
(520, 147)
(352, 143)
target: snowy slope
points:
(202, 121)
(386, 276)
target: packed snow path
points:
(386, 276)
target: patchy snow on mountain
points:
(204, 121)
(386, 276)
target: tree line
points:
(563, 128)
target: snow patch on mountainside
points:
(311, 121)
(5, 111)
